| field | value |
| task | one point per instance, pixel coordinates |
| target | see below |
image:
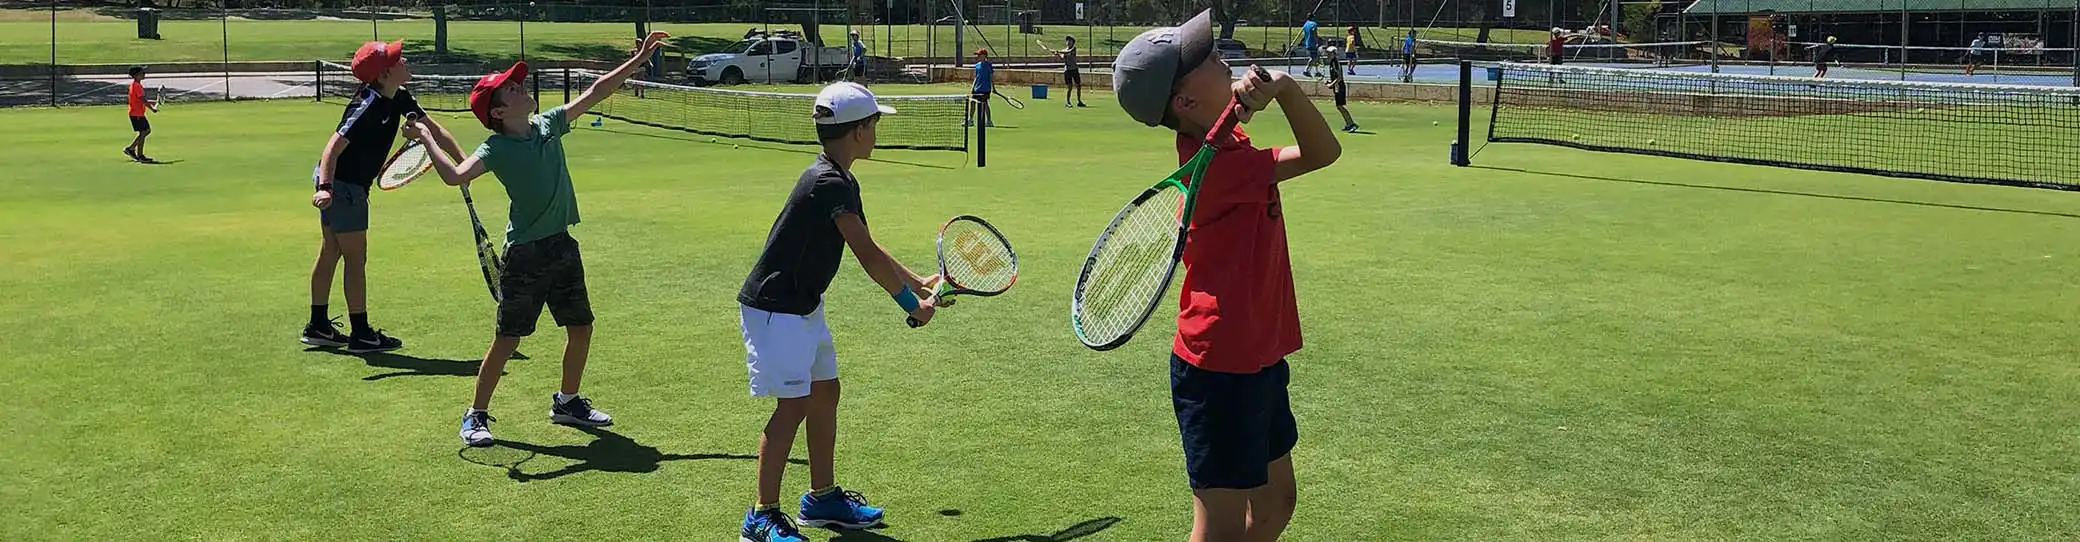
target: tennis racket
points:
(974, 259)
(1131, 265)
(1043, 46)
(1015, 104)
(487, 255)
(407, 164)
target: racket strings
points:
(977, 259)
(1131, 269)
(407, 165)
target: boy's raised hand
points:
(1255, 92)
(652, 42)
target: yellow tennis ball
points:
(736, 146)
(1578, 137)
(1650, 142)
(1433, 123)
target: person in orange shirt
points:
(138, 123)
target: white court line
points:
(296, 87)
(212, 84)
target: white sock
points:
(561, 398)
(473, 410)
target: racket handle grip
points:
(913, 322)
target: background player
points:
(1072, 77)
(978, 95)
(138, 122)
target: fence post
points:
(1459, 146)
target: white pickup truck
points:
(768, 59)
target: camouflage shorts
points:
(546, 271)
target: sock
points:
(319, 316)
(825, 492)
(473, 410)
(765, 507)
(361, 328)
(561, 398)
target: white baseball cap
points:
(847, 102)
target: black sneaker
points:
(375, 341)
(577, 411)
(324, 334)
(1080, 104)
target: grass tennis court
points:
(1556, 345)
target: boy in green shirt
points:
(542, 262)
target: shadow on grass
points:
(406, 365)
(1073, 532)
(608, 452)
(1783, 192)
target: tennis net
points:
(435, 92)
(920, 122)
(1621, 54)
(2012, 135)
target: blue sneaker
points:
(476, 428)
(769, 526)
(839, 508)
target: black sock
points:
(319, 316)
(360, 320)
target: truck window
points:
(785, 47)
(761, 49)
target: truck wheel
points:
(732, 76)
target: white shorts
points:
(786, 352)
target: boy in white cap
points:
(787, 343)
(1238, 317)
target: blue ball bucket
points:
(1039, 92)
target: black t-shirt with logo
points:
(370, 125)
(802, 250)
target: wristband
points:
(907, 300)
(325, 187)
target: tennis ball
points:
(1650, 142)
(1920, 110)
(1578, 136)
(1433, 123)
(736, 146)
(712, 140)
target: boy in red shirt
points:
(1237, 318)
(138, 123)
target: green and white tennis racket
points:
(1131, 265)
(974, 259)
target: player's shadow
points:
(404, 365)
(160, 162)
(1783, 192)
(1072, 532)
(608, 452)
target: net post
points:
(318, 80)
(566, 85)
(1459, 157)
(534, 85)
(981, 139)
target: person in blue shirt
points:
(1307, 41)
(859, 57)
(1408, 57)
(985, 75)
(1975, 56)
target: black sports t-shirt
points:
(802, 251)
(370, 125)
(1069, 58)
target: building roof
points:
(1742, 7)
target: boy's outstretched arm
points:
(605, 86)
(1315, 146)
(443, 158)
(883, 268)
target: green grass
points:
(25, 38)
(1558, 345)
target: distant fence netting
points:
(2001, 134)
(920, 122)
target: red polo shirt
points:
(1236, 313)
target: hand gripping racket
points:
(407, 164)
(1131, 265)
(974, 259)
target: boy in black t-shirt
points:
(787, 343)
(349, 165)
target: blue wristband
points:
(907, 300)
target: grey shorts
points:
(349, 210)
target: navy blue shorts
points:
(1234, 425)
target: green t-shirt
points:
(538, 182)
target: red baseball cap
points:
(375, 57)
(480, 96)
(982, 52)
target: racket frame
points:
(1013, 102)
(487, 255)
(383, 181)
(948, 286)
